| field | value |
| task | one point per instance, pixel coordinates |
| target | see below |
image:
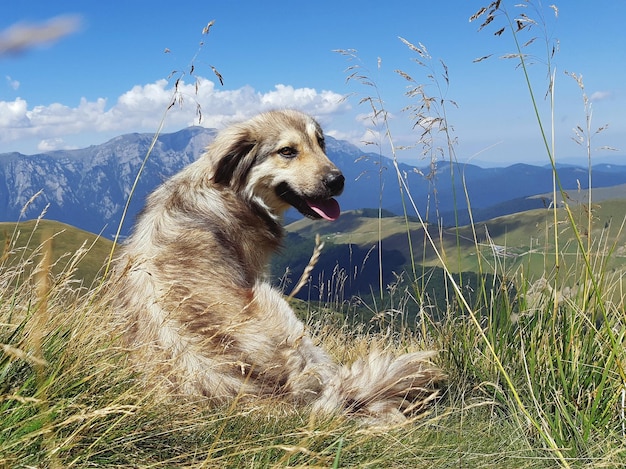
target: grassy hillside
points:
(519, 242)
(530, 380)
(68, 397)
(80, 252)
(535, 373)
(581, 196)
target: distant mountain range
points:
(88, 188)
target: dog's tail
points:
(383, 389)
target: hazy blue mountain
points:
(88, 188)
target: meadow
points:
(533, 362)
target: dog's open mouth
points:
(315, 208)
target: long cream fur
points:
(193, 292)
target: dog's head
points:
(278, 158)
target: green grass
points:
(80, 252)
(70, 400)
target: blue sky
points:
(109, 74)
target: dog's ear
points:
(234, 161)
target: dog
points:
(193, 288)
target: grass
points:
(534, 362)
(22, 246)
(68, 399)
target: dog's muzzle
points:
(318, 205)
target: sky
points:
(76, 73)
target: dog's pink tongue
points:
(327, 209)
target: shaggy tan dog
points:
(193, 287)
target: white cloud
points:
(14, 84)
(142, 108)
(600, 95)
(51, 144)
(23, 36)
(13, 114)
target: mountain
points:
(88, 188)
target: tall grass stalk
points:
(584, 250)
(515, 27)
(568, 359)
(544, 430)
(380, 120)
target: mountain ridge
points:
(88, 187)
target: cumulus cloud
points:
(13, 114)
(142, 108)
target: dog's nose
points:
(335, 181)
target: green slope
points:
(72, 249)
(522, 240)
(505, 244)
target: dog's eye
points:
(288, 152)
